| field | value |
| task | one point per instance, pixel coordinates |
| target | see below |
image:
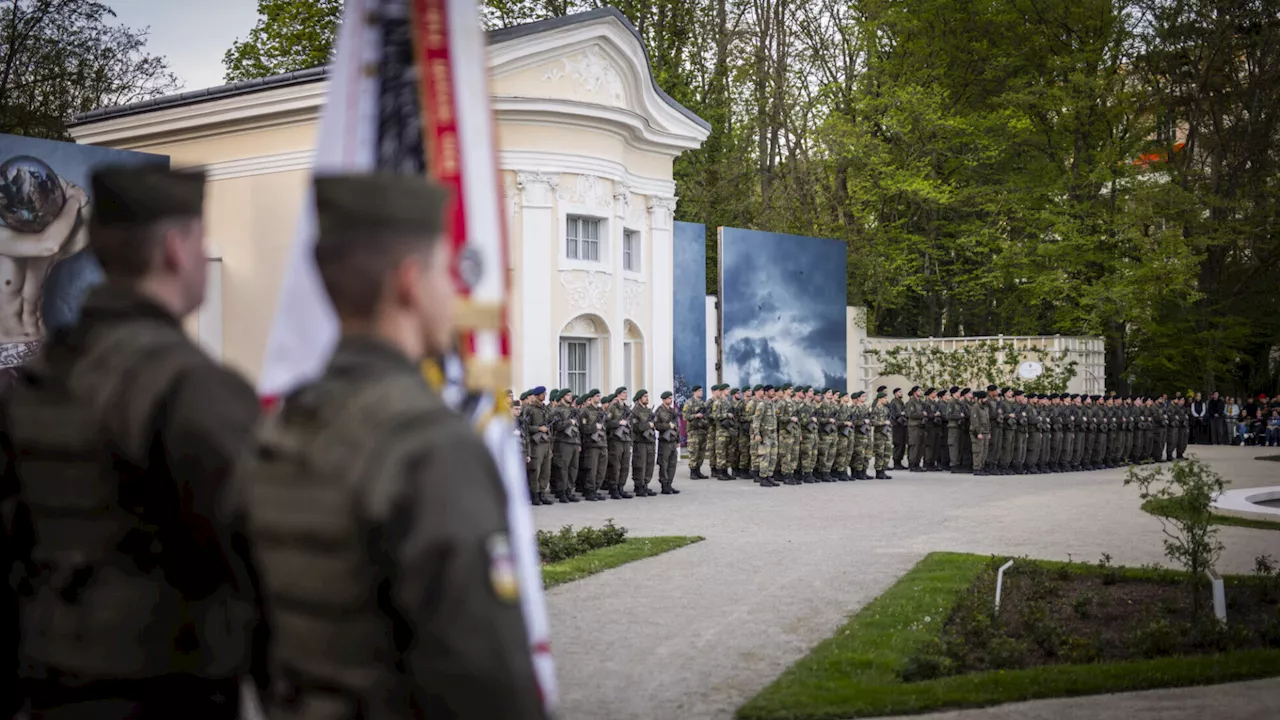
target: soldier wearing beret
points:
(595, 446)
(118, 442)
(915, 413)
(898, 417)
(979, 431)
(844, 437)
(965, 405)
(808, 435)
(696, 420)
(742, 443)
(766, 436)
(726, 430)
(536, 418)
(618, 423)
(644, 443)
(882, 431)
(566, 427)
(954, 412)
(666, 423)
(429, 616)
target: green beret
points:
(666, 395)
(619, 391)
(349, 205)
(734, 391)
(757, 388)
(143, 194)
(524, 394)
(695, 388)
(641, 393)
(591, 393)
(785, 386)
(858, 394)
(554, 395)
(880, 395)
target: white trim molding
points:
(261, 165)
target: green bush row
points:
(567, 542)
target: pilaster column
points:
(617, 339)
(660, 344)
(536, 341)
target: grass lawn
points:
(595, 561)
(855, 673)
(1165, 508)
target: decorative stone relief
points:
(636, 217)
(587, 190)
(581, 325)
(593, 71)
(511, 202)
(537, 187)
(631, 291)
(587, 290)
(661, 209)
(622, 200)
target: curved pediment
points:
(589, 68)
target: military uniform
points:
(995, 444)
(370, 446)
(695, 417)
(828, 429)
(954, 413)
(808, 439)
(766, 428)
(979, 431)
(117, 443)
(618, 423)
(537, 423)
(844, 438)
(566, 428)
(643, 448)
(789, 440)
(665, 422)
(883, 437)
(726, 429)
(1021, 428)
(915, 413)
(595, 447)
(862, 439)
(742, 463)
(898, 417)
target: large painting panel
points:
(45, 269)
(690, 322)
(782, 309)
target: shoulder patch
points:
(502, 569)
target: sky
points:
(191, 34)
(783, 305)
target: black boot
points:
(899, 466)
(572, 498)
(767, 482)
(696, 474)
(807, 479)
(881, 475)
(563, 498)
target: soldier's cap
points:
(913, 389)
(591, 393)
(695, 388)
(980, 394)
(897, 390)
(955, 389)
(1097, 397)
(349, 205)
(734, 391)
(858, 394)
(768, 388)
(554, 395)
(881, 394)
(641, 393)
(619, 391)
(524, 394)
(992, 388)
(785, 386)
(540, 390)
(666, 395)
(882, 388)
(125, 195)
(607, 399)
(1017, 393)
(757, 388)
(964, 392)
(930, 391)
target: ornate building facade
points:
(586, 145)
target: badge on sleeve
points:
(502, 568)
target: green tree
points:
(59, 58)
(290, 35)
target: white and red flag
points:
(409, 93)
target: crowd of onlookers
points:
(1220, 420)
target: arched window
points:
(584, 342)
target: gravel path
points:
(694, 633)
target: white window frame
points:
(635, 253)
(601, 241)
(592, 359)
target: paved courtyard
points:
(692, 634)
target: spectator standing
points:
(1217, 420)
(1273, 429)
(1199, 414)
(1234, 422)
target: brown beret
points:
(142, 194)
(347, 204)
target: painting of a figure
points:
(45, 269)
(782, 309)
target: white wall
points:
(713, 341)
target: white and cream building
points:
(586, 143)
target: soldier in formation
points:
(697, 420)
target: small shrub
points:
(1109, 574)
(1157, 639)
(1079, 650)
(928, 663)
(1006, 653)
(1083, 606)
(1268, 571)
(567, 543)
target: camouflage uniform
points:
(726, 427)
(862, 442)
(766, 428)
(883, 438)
(844, 439)
(697, 432)
(827, 431)
(742, 463)
(808, 439)
(789, 438)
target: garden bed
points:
(1163, 507)
(606, 558)
(933, 640)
